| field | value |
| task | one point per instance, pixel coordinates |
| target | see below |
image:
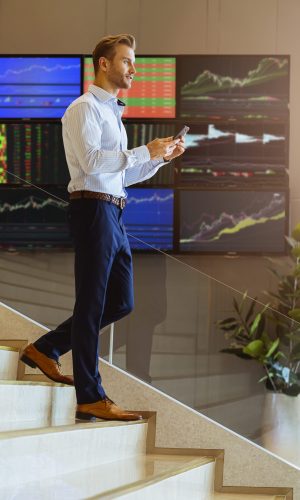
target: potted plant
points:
(270, 334)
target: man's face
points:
(120, 70)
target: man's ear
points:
(103, 63)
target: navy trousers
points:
(103, 288)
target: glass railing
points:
(230, 357)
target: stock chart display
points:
(153, 90)
(232, 221)
(33, 152)
(38, 87)
(30, 217)
(141, 133)
(148, 218)
(262, 141)
(236, 87)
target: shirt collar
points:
(103, 95)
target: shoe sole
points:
(93, 418)
(32, 364)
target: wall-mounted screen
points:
(30, 217)
(38, 87)
(234, 86)
(153, 90)
(148, 218)
(260, 142)
(33, 152)
(233, 221)
(141, 133)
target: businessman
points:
(101, 167)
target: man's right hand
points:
(159, 148)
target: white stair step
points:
(120, 478)
(192, 482)
(9, 360)
(246, 496)
(25, 403)
(47, 453)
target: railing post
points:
(111, 343)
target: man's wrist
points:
(165, 160)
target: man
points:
(100, 168)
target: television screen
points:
(142, 133)
(260, 142)
(234, 86)
(32, 152)
(153, 91)
(148, 218)
(38, 87)
(29, 217)
(233, 221)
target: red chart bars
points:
(153, 91)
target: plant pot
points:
(281, 426)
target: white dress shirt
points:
(95, 142)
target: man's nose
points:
(133, 70)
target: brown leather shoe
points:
(51, 368)
(105, 409)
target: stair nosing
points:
(67, 428)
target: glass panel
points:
(177, 337)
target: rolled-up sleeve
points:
(84, 130)
(142, 172)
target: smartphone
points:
(182, 132)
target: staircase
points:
(45, 454)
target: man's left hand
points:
(177, 151)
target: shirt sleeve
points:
(83, 128)
(142, 172)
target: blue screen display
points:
(38, 87)
(148, 217)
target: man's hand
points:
(177, 151)
(163, 148)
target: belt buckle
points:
(122, 203)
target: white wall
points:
(169, 26)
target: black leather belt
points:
(120, 202)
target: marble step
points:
(206, 390)
(129, 478)
(9, 360)
(46, 453)
(26, 404)
(246, 496)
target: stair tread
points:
(34, 427)
(246, 496)
(120, 477)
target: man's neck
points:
(103, 84)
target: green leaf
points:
(250, 311)
(296, 252)
(226, 321)
(296, 232)
(295, 314)
(273, 348)
(236, 306)
(255, 349)
(255, 324)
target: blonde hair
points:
(107, 47)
